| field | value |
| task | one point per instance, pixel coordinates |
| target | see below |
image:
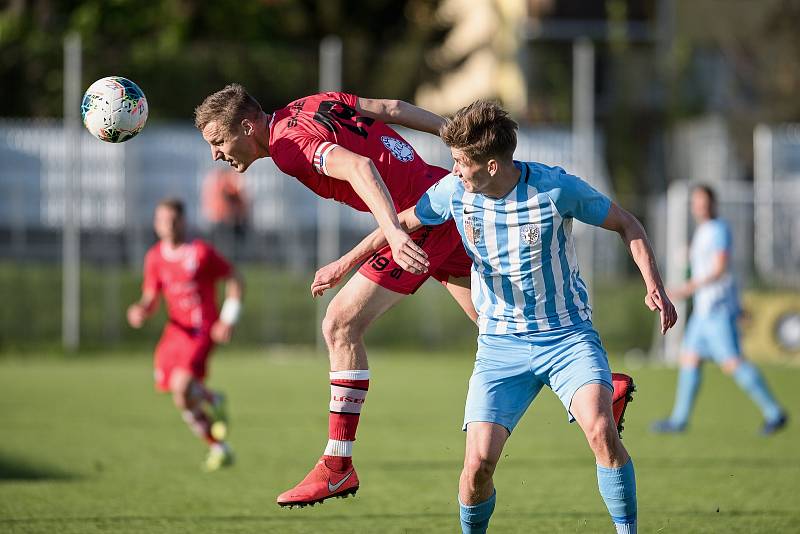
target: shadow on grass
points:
(17, 469)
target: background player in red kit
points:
(340, 146)
(186, 274)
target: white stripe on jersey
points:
(491, 244)
(515, 259)
(540, 314)
(576, 285)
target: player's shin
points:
(475, 518)
(618, 489)
(348, 393)
(199, 424)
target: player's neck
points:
(172, 245)
(262, 135)
(503, 182)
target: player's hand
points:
(136, 315)
(681, 292)
(657, 300)
(406, 253)
(328, 277)
(221, 332)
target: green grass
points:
(87, 446)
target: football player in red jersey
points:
(339, 146)
(186, 273)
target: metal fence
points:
(120, 185)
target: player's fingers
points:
(416, 249)
(409, 265)
(648, 301)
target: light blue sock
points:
(475, 518)
(688, 384)
(618, 488)
(749, 379)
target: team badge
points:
(530, 233)
(190, 262)
(399, 149)
(473, 229)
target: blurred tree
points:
(180, 50)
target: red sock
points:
(348, 393)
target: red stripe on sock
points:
(359, 384)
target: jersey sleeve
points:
(151, 282)
(434, 206)
(299, 153)
(721, 239)
(575, 198)
(216, 265)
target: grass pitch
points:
(87, 446)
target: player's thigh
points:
(502, 386)
(359, 302)
(592, 403)
(571, 360)
(484, 443)
(723, 340)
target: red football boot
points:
(320, 484)
(623, 394)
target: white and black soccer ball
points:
(114, 109)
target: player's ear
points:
(247, 126)
(492, 166)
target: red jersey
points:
(302, 134)
(187, 277)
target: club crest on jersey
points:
(530, 233)
(473, 229)
(399, 149)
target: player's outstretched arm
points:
(402, 113)
(140, 311)
(360, 172)
(330, 275)
(632, 233)
(719, 268)
(222, 329)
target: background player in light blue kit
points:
(515, 220)
(711, 331)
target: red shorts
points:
(446, 255)
(181, 348)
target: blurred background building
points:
(641, 97)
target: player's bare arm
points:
(140, 311)
(330, 275)
(719, 268)
(635, 238)
(363, 176)
(402, 113)
(222, 329)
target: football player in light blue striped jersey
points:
(534, 315)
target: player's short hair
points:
(708, 190)
(228, 106)
(482, 131)
(175, 204)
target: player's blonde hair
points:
(228, 107)
(482, 131)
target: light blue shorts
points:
(511, 369)
(713, 336)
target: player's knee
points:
(730, 365)
(689, 361)
(601, 435)
(478, 470)
(338, 327)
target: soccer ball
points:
(114, 109)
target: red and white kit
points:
(303, 133)
(187, 278)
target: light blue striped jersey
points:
(710, 239)
(524, 269)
